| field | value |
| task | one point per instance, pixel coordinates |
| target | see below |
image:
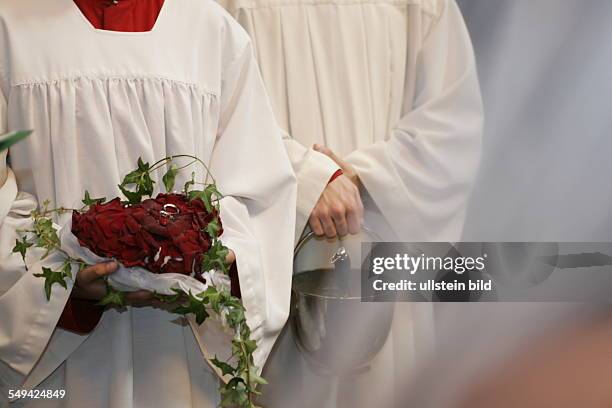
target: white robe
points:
(97, 101)
(391, 86)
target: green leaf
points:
(234, 393)
(21, 247)
(224, 367)
(235, 317)
(208, 195)
(134, 197)
(142, 166)
(132, 177)
(67, 270)
(190, 183)
(194, 306)
(213, 228)
(113, 297)
(46, 234)
(142, 182)
(146, 184)
(170, 177)
(167, 298)
(10, 139)
(250, 346)
(256, 378)
(88, 201)
(51, 278)
(215, 257)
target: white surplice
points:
(97, 101)
(391, 86)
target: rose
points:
(167, 234)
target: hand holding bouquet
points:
(168, 244)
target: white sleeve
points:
(27, 319)
(254, 174)
(421, 176)
(313, 171)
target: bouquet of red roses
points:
(166, 234)
(168, 244)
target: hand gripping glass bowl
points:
(337, 332)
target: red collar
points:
(125, 15)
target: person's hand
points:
(347, 168)
(339, 210)
(90, 285)
(230, 258)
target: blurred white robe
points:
(98, 100)
(391, 86)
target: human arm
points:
(420, 177)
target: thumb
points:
(231, 257)
(97, 271)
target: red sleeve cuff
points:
(334, 176)
(80, 316)
(235, 283)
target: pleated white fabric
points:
(391, 86)
(97, 101)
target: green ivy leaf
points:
(170, 178)
(132, 178)
(234, 393)
(21, 247)
(213, 228)
(167, 298)
(146, 185)
(142, 166)
(46, 235)
(67, 270)
(142, 182)
(134, 197)
(223, 366)
(10, 139)
(208, 195)
(250, 346)
(88, 201)
(235, 317)
(113, 297)
(190, 183)
(51, 278)
(215, 257)
(193, 306)
(256, 378)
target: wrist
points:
(334, 176)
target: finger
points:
(97, 271)
(339, 217)
(139, 298)
(359, 209)
(354, 221)
(315, 225)
(231, 257)
(157, 303)
(95, 290)
(328, 225)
